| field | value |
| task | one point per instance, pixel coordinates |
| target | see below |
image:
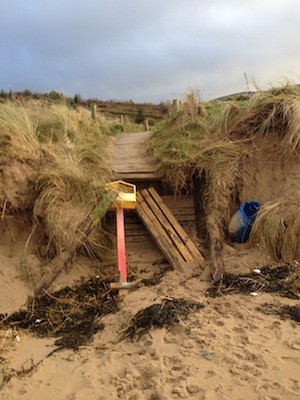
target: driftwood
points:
(215, 248)
(59, 263)
(198, 190)
(54, 268)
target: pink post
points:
(121, 243)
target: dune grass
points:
(272, 115)
(17, 131)
(218, 138)
(67, 153)
(277, 228)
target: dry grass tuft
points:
(277, 228)
(215, 140)
(54, 167)
(273, 116)
(185, 144)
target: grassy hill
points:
(136, 112)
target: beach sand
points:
(226, 350)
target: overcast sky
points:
(147, 50)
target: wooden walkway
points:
(167, 233)
(130, 160)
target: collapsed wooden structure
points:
(167, 219)
(166, 231)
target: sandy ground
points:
(227, 350)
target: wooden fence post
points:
(93, 111)
(176, 104)
(198, 190)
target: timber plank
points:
(130, 160)
(158, 233)
(164, 228)
(180, 231)
(171, 232)
(137, 176)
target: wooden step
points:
(166, 231)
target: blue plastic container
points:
(241, 223)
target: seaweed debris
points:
(156, 278)
(285, 312)
(270, 280)
(71, 314)
(159, 315)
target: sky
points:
(148, 50)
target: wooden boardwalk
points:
(130, 160)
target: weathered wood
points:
(146, 123)
(215, 247)
(157, 232)
(93, 108)
(130, 160)
(180, 231)
(169, 228)
(59, 263)
(133, 176)
(198, 193)
(166, 231)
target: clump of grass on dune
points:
(273, 116)
(71, 188)
(67, 153)
(186, 144)
(184, 147)
(174, 145)
(188, 141)
(20, 157)
(65, 208)
(17, 131)
(277, 228)
(217, 137)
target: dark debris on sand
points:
(285, 312)
(160, 315)
(271, 280)
(156, 278)
(70, 314)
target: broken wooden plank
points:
(166, 231)
(180, 231)
(169, 228)
(158, 233)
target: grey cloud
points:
(145, 50)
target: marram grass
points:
(277, 228)
(217, 138)
(66, 153)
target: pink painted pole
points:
(121, 243)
